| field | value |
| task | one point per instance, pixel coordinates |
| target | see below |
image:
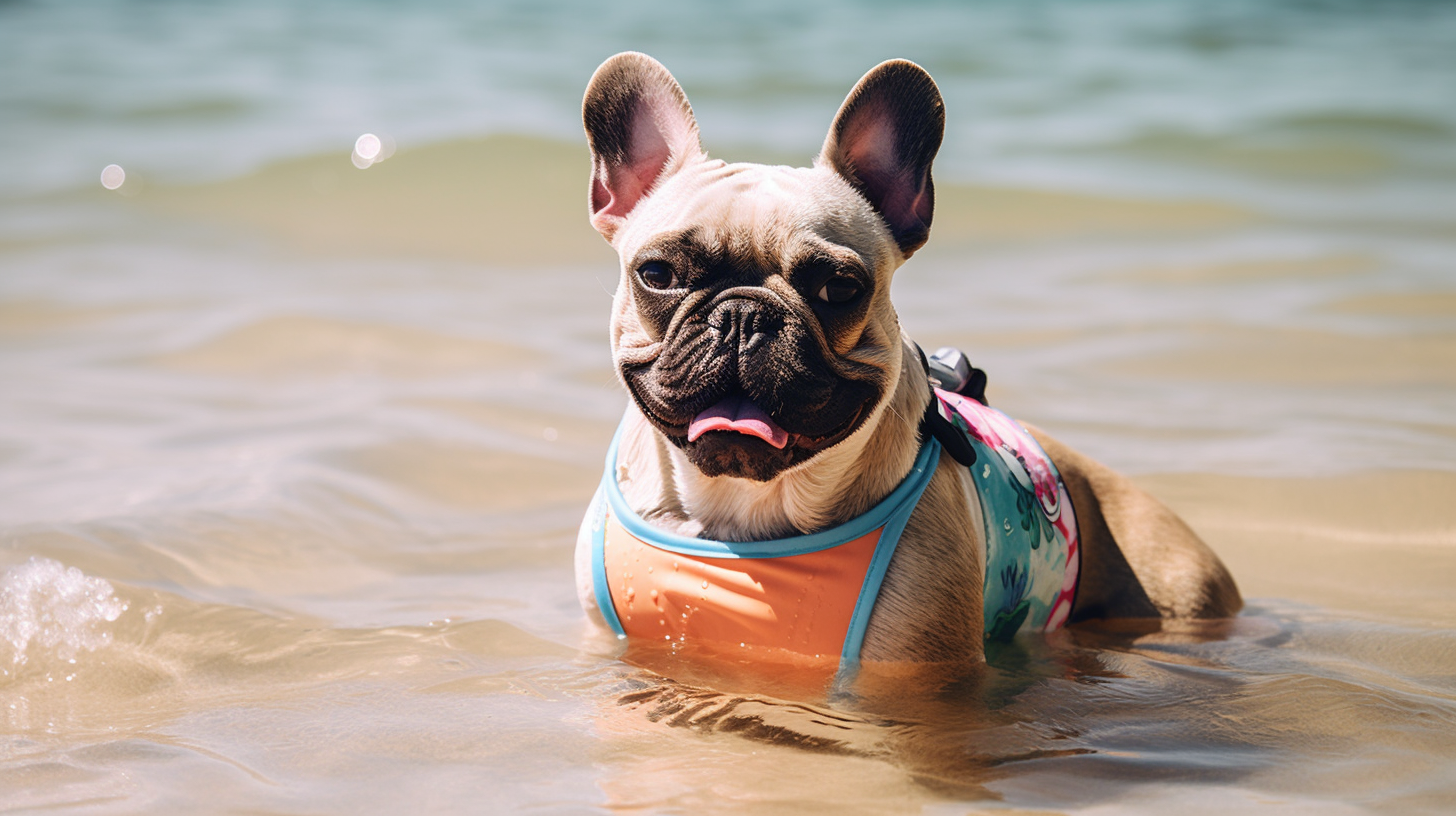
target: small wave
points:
(49, 608)
(1368, 124)
(313, 346)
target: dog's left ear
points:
(882, 142)
(640, 128)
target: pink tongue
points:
(738, 413)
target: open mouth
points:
(735, 436)
(737, 413)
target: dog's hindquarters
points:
(1139, 559)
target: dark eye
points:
(840, 289)
(656, 275)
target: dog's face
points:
(752, 325)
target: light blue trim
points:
(869, 592)
(907, 494)
(889, 517)
(597, 512)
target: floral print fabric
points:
(1032, 553)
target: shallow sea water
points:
(292, 454)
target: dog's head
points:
(752, 325)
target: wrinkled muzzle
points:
(745, 386)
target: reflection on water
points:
(1294, 704)
(292, 453)
(1102, 712)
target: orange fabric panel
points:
(800, 603)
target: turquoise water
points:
(1330, 107)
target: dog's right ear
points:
(640, 128)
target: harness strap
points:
(935, 424)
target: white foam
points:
(47, 608)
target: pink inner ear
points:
(870, 145)
(618, 188)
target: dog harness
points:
(813, 594)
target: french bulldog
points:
(773, 394)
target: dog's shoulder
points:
(929, 608)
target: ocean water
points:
(292, 453)
(1336, 107)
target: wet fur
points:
(870, 195)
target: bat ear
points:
(640, 128)
(883, 141)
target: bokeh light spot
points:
(367, 146)
(112, 176)
(369, 149)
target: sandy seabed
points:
(292, 466)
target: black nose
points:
(743, 324)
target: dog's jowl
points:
(786, 480)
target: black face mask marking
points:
(733, 323)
